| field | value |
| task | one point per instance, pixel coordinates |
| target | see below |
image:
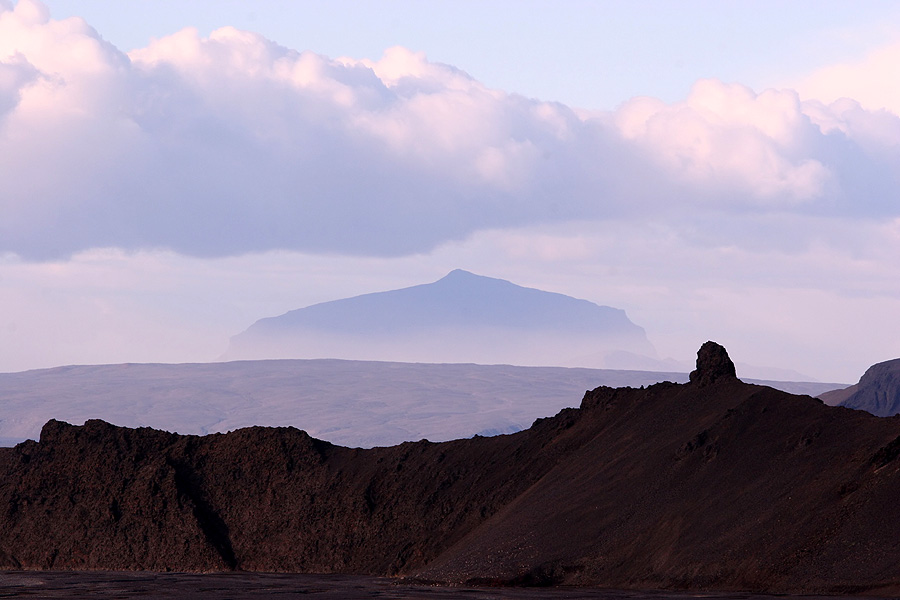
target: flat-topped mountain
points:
(462, 317)
(712, 484)
(877, 392)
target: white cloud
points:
(872, 81)
(228, 144)
(15, 73)
(725, 137)
(310, 179)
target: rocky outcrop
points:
(715, 484)
(878, 390)
(713, 363)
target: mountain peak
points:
(455, 273)
(462, 317)
(457, 276)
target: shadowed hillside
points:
(877, 392)
(713, 484)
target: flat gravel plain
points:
(238, 586)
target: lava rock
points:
(715, 484)
(713, 364)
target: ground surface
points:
(710, 485)
(103, 584)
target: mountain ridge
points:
(351, 403)
(461, 317)
(468, 309)
(878, 390)
(710, 485)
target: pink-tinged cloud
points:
(232, 144)
(871, 81)
(726, 137)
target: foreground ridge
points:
(714, 484)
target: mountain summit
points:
(462, 317)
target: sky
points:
(173, 171)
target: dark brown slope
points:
(713, 484)
(719, 484)
(270, 499)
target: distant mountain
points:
(877, 392)
(347, 402)
(461, 318)
(710, 485)
(352, 403)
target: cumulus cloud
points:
(871, 81)
(726, 137)
(14, 74)
(231, 144)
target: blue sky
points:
(588, 54)
(720, 170)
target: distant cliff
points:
(713, 484)
(877, 392)
(463, 317)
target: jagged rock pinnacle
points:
(713, 363)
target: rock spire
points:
(713, 364)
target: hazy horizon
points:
(726, 171)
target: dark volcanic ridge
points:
(713, 484)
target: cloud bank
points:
(157, 202)
(231, 144)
